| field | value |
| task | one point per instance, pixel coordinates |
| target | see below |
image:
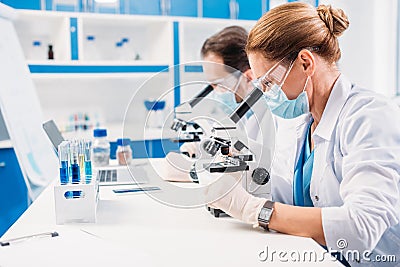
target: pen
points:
(24, 238)
(133, 190)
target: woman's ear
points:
(249, 74)
(307, 61)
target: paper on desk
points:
(71, 248)
(174, 167)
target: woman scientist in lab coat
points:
(345, 186)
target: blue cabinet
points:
(216, 9)
(184, 8)
(13, 191)
(23, 4)
(250, 9)
(148, 7)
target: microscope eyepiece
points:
(211, 147)
(225, 150)
(177, 125)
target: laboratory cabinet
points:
(242, 9)
(223, 9)
(101, 61)
(156, 148)
(188, 8)
(250, 9)
(13, 191)
(23, 4)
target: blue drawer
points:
(13, 191)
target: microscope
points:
(236, 152)
(183, 124)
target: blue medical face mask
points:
(227, 99)
(271, 83)
(281, 106)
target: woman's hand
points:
(228, 194)
(190, 148)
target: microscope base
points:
(216, 212)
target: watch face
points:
(265, 214)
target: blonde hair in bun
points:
(335, 19)
(288, 28)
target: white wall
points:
(369, 45)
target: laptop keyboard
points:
(108, 175)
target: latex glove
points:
(192, 148)
(174, 167)
(228, 194)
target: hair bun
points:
(334, 18)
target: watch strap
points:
(264, 222)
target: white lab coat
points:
(282, 169)
(356, 173)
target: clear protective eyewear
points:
(275, 75)
(227, 83)
(278, 73)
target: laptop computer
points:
(108, 175)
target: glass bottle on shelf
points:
(90, 48)
(37, 52)
(119, 52)
(125, 49)
(50, 53)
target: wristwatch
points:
(265, 215)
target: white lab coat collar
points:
(336, 101)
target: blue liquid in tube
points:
(88, 171)
(64, 176)
(75, 170)
(88, 161)
(76, 173)
(63, 155)
(76, 177)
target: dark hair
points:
(229, 44)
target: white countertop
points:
(5, 144)
(172, 236)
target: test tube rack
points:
(76, 203)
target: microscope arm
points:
(197, 99)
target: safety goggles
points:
(275, 75)
(278, 73)
(228, 82)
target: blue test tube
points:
(75, 171)
(88, 161)
(63, 155)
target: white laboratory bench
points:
(172, 236)
(5, 144)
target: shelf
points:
(147, 38)
(89, 67)
(160, 57)
(46, 28)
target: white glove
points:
(174, 167)
(228, 194)
(192, 148)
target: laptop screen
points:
(53, 133)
